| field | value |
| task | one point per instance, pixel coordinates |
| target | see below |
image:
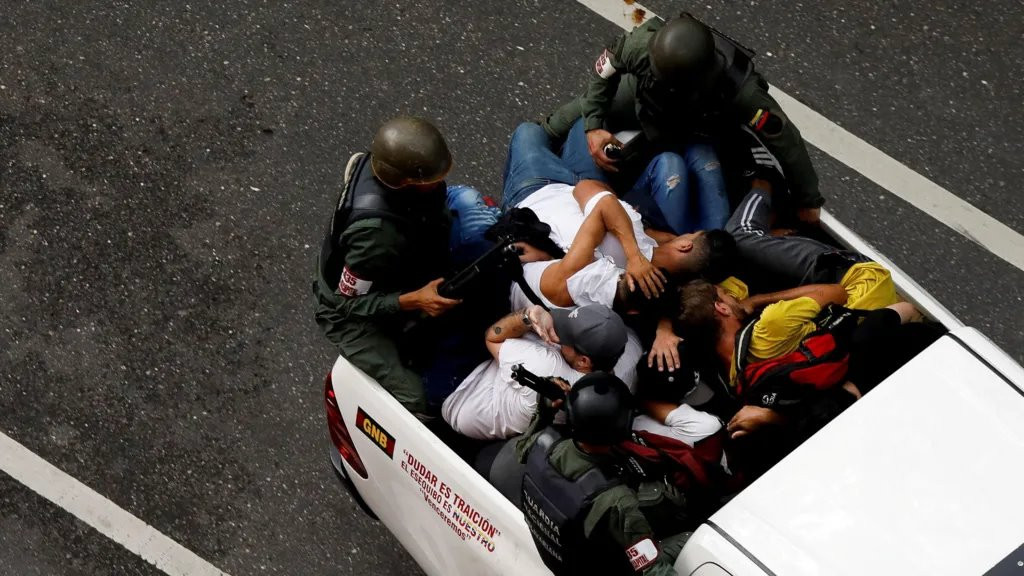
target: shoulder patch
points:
(766, 123)
(642, 554)
(351, 285)
(759, 119)
(603, 65)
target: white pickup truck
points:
(925, 475)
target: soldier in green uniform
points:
(583, 518)
(384, 257)
(680, 80)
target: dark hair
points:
(634, 302)
(696, 321)
(598, 363)
(720, 255)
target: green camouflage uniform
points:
(628, 72)
(368, 328)
(617, 512)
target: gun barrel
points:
(495, 257)
(543, 386)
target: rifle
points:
(546, 387)
(502, 255)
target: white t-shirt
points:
(555, 205)
(594, 284)
(685, 423)
(490, 405)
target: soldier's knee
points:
(559, 122)
(414, 401)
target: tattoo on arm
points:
(497, 329)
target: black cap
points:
(684, 385)
(683, 54)
(600, 409)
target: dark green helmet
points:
(600, 409)
(683, 53)
(408, 151)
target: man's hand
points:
(428, 300)
(565, 386)
(750, 418)
(597, 139)
(528, 253)
(543, 324)
(665, 351)
(749, 306)
(640, 271)
(852, 389)
(811, 216)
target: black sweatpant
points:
(770, 263)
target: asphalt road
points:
(166, 169)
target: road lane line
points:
(106, 517)
(865, 159)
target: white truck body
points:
(922, 476)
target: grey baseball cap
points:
(593, 330)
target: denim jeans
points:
(675, 193)
(471, 217)
(531, 165)
(770, 263)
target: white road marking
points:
(90, 507)
(870, 162)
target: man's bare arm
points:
(614, 216)
(607, 216)
(823, 294)
(517, 324)
(587, 189)
(660, 236)
(639, 270)
(554, 281)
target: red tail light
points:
(339, 433)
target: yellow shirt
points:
(869, 286)
(779, 330)
(784, 325)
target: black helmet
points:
(600, 409)
(409, 150)
(683, 53)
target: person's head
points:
(410, 152)
(704, 310)
(600, 411)
(683, 55)
(708, 254)
(592, 337)
(633, 302)
(684, 385)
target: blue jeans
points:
(675, 193)
(471, 217)
(531, 165)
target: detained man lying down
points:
(608, 250)
(489, 404)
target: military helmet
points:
(600, 409)
(407, 151)
(682, 52)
